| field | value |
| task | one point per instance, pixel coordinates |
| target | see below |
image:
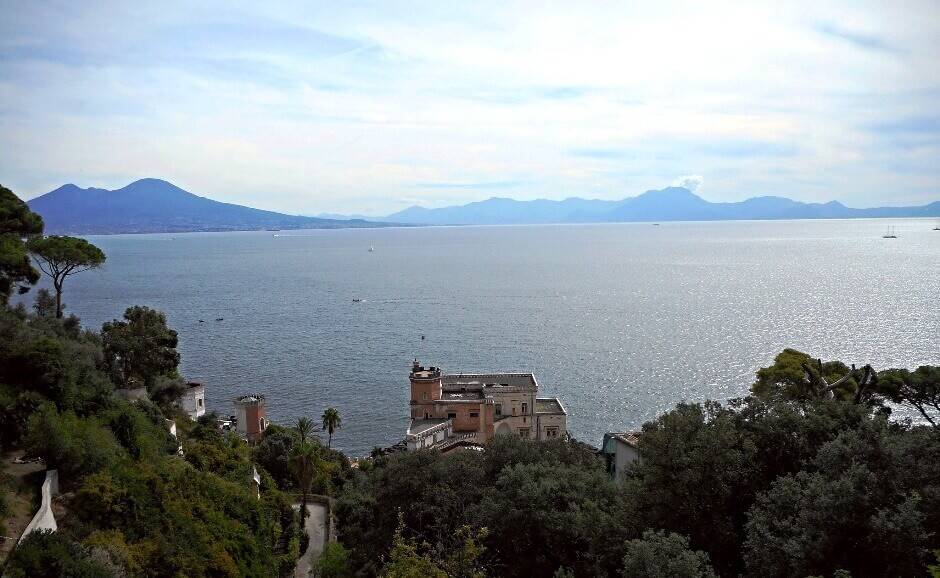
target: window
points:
(525, 408)
(474, 414)
(425, 395)
(200, 402)
(451, 415)
(524, 432)
(499, 409)
(551, 432)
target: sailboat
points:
(937, 228)
(371, 249)
(890, 234)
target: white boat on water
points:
(371, 249)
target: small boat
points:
(202, 321)
(937, 228)
(357, 300)
(890, 234)
(371, 249)
(218, 319)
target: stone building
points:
(446, 409)
(249, 416)
(193, 400)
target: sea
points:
(620, 321)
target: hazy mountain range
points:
(153, 205)
(669, 204)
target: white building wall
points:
(194, 401)
(547, 421)
(625, 455)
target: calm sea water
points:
(620, 321)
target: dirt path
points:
(19, 484)
(315, 526)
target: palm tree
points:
(304, 428)
(304, 466)
(331, 422)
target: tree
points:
(464, 559)
(141, 347)
(60, 257)
(274, 455)
(920, 388)
(331, 423)
(866, 504)
(50, 553)
(45, 304)
(17, 223)
(333, 562)
(405, 561)
(662, 555)
(795, 376)
(304, 465)
(304, 428)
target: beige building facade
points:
(477, 406)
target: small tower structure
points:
(193, 400)
(426, 388)
(249, 417)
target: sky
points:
(368, 108)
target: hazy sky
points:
(371, 107)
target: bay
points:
(621, 321)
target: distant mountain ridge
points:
(669, 204)
(156, 206)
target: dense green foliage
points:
(132, 506)
(53, 554)
(662, 555)
(141, 348)
(775, 484)
(17, 223)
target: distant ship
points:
(890, 234)
(371, 249)
(937, 228)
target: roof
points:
(549, 405)
(631, 438)
(525, 380)
(423, 425)
(462, 395)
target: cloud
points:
(310, 107)
(857, 39)
(482, 185)
(690, 182)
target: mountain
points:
(155, 206)
(499, 211)
(669, 204)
